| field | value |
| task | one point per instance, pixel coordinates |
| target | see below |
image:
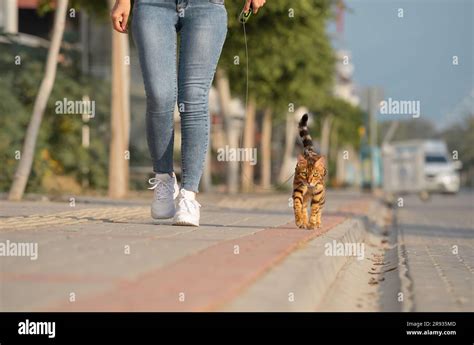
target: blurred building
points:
(344, 87)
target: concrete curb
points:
(308, 272)
(406, 283)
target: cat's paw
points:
(312, 226)
(301, 224)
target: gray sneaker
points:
(165, 191)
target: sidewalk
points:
(103, 255)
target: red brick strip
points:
(210, 278)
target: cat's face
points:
(311, 169)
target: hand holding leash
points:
(255, 5)
(251, 6)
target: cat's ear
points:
(301, 159)
(321, 162)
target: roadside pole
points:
(371, 98)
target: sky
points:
(411, 57)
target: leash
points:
(245, 16)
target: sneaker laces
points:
(163, 189)
(189, 204)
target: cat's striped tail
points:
(304, 133)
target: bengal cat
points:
(308, 183)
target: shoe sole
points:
(185, 223)
(162, 215)
(166, 216)
(157, 218)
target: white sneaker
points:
(187, 212)
(166, 190)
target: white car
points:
(419, 166)
(441, 174)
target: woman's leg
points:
(154, 31)
(203, 30)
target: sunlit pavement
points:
(103, 255)
(247, 255)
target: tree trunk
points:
(325, 135)
(24, 168)
(119, 156)
(10, 10)
(232, 135)
(249, 144)
(290, 136)
(266, 149)
(333, 149)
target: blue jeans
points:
(202, 25)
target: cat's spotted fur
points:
(308, 183)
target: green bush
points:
(59, 150)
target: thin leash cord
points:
(246, 106)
